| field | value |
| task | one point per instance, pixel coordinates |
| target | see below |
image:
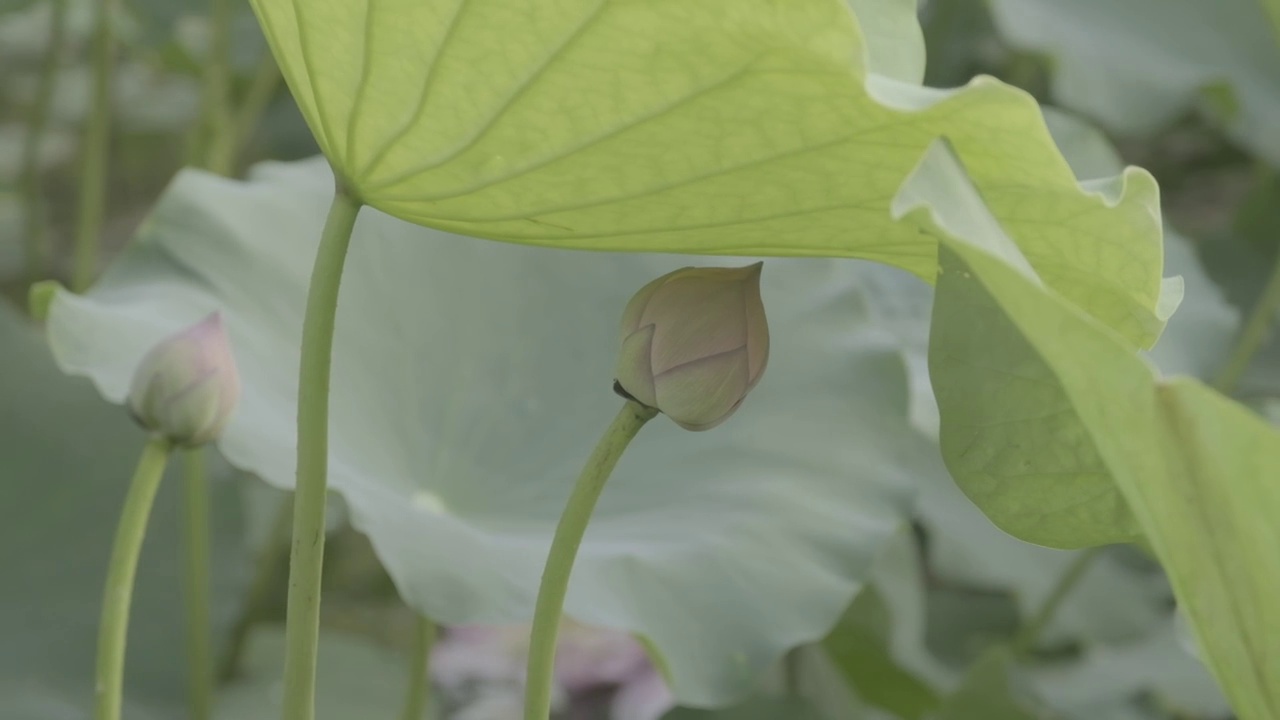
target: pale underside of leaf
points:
(470, 380)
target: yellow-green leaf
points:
(752, 127)
(1197, 471)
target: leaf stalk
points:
(113, 630)
(564, 550)
(302, 624)
(196, 531)
(1252, 334)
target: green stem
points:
(1253, 334)
(113, 632)
(39, 253)
(302, 623)
(1027, 638)
(1273, 11)
(424, 637)
(214, 145)
(262, 88)
(196, 573)
(270, 557)
(93, 168)
(564, 549)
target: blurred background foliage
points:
(960, 622)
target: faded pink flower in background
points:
(480, 669)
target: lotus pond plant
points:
(183, 393)
(984, 338)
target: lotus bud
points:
(694, 343)
(186, 387)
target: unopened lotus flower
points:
(187, 386)
(694, 343)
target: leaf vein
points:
(421, 102)
(639, 121)
(503, 108)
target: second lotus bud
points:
(187, 386)
(694, 343)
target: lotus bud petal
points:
(694, 343)
(187, 386)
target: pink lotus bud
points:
(187, 386)
(694, 343)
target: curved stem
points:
(113, 631)
(564, 549)
(302, 624)
(196, 575)
(39, 253)
(93, 168)
(415, 701)
(1027, 638)
(1273, 12)
(1252, 335)
(272, 554)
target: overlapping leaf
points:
(731, 126)
(1118, 612)
(1195, 469)
(471, 379)
(1029, 455)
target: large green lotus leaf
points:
(901, 578)
(1010, 435)
(356, 679)
(1196, 338)
(860, 647)
(471, 380)
(1108, 675)
(750, 127)
(1137, 64)
(893, 36)
(1119, 605)
(67, 460)
(1112, 603)
(1196, 470)
(1028, 461)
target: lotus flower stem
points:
(1252, 335)
(93, 167)
(35, 230)
(302, 625)
(196, 576)
(419, 694)
(564, 549)
(1273, 11)
(113, 631)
